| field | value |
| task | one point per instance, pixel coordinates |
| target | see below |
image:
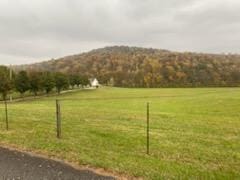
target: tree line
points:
(38, 81)
(141, 67)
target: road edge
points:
(40, 154)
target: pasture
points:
(194, 132)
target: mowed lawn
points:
(194, 133)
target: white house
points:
(95, 83)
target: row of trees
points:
(36, 82)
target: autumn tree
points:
(22, 83)
(5, 82)
(84, 80)
(48, 82)
(75, 80)
(61, 82)
(36, 82)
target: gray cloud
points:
(38, 30)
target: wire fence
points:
(129, 123)
(110, 121)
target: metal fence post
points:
(6, 113)
(148, 128)
(58, 119)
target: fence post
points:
(6, 113)
(148, 128)
(58, 119)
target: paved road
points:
(16, 165)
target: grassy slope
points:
(194, 132)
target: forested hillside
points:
(140, 67)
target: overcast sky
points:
(37, 30)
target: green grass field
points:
(195, 133)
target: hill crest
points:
(148, 67)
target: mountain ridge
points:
(148, 67)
